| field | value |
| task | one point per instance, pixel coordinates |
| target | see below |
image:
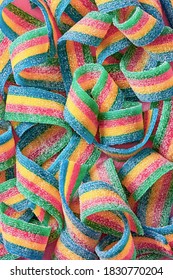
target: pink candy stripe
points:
(105, 222)
(112, 31)
(7, 155)
(136, 57)
(106, 91)
(43, 70)
(3, 251)
(122, 121)
(100, 25)
(89, 76)
(162, 39)
(79, 54)
(145, 245)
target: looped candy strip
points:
(86, 129)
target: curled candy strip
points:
(23, 239)
(86, 114)
(149, 85)
(86, 145)
(77, 240)
(110, 248)
(99, 197)
(140, 27)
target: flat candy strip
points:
(123, 154)
(122, 126)
(113, 42)
(37, 107)
(141, 171)
(152, 246)
(40, 187)
(67, 12)
(104, 170)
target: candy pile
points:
(86, 130)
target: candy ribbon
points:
(86, 145)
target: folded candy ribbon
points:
(86, 150)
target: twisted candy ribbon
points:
(86, 129)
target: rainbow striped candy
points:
(149, 81)
(22, 238)
(89, 31)
(77, 150)
(110, 248)
(113, 42)
(155, 205)
(153, 245)
(10, 195)
(7, 146)
(98, 197)
(81, 111)
(36, 107)
(122, 126)
(163, 139)
(77, 241)
(141, 171)
(137, 25)
(86, 130)
(67, 12)
(41, 187)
